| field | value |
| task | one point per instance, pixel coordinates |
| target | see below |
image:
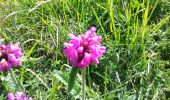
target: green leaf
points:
(72, 78)
(31, 50)
(10, 83)
(7, 39)
(64, 78)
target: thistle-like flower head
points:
(10, 56)
(84, 49)
(19, 96)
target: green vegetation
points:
(135, 32)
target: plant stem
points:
(18, 85)
(84, 84)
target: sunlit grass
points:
(136, 33)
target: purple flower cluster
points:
(10, 56)
(84, 49)
(19, 96)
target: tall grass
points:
(136, 33)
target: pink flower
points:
(84, 49)
(4, 65)
(10, 56)
(19, 96)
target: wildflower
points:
(84, 49)
(19, 96)
(10, 56)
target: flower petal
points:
(85, 61)
(10, 96)
(80, 50)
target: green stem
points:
(84, 84)
(105, 83)
(18, 85)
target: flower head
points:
(10, 56)
(19, 96)
(84, 49)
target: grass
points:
(136, 34)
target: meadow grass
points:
(136, 33)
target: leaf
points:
(7, 39)
(31, 50)
(64, 78)
(2, 96)
(10, 83)
(72, 78)
(61, 77)
(30, 59)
